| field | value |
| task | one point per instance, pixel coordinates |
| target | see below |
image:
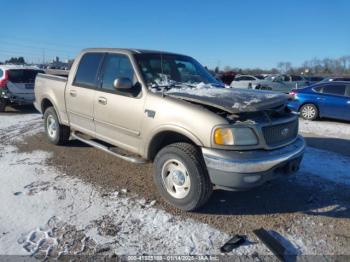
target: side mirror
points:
(123, 83)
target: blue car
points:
(328, 99)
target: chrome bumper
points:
(251, 161)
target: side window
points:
(88, 69)
(334, 90)
(250, 78)
(116, 66)
(1, 73)
(238, 78)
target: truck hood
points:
(230, 100)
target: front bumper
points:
(239, 170)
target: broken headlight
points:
(235, 136)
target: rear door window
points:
(87, 72)
(23, 75)
(338, 90)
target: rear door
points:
(333, 102)
(118, 114)
(81, 93)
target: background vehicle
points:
(281, 83)
(166, 108)
(244, 81)
(336, 78)
(313, 79)
(330, 99)
(17, 85)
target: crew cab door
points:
(118, 114)
(80, 93)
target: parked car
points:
(17, 85)
(313, 79)
(336, 78)
(281, 83)
(329, 99)
(166, 108)
(244, 81)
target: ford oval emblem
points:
(285, 132)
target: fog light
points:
(251, 179)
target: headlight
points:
(237, 136)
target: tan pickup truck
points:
(166, 108)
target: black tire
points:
(190, 156)
(62, 133)
(309, 112)
(2, 105)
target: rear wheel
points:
(309, 112)
(181, 176)
(56, 133)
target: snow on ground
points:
(44, 212)
(326, 129)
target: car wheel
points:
(2, 105)
(56, 133)
(181, 176)
(309, 112)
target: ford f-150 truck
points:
(166, 108)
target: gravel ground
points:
(312, 207)
(318, 210)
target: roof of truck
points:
(127, 50)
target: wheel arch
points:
(46, 103)
(169, 136)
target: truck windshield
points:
(163, 69)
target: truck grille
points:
(280, 134)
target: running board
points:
(135, 160)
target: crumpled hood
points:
(232, 100)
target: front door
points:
(118, 114)
(80, 94)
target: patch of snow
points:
(327, 129)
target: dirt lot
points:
(319, 208)
(313, 209)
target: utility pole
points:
(43, 56)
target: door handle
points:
(73, 93)
(102, 100)
(348, 102)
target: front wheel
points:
(309, 112)
(56, 133)
(181, 176)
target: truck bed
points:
(53, 87)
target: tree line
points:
(321, 67)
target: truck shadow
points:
(337, 145)
(318, 197)
(20, 110)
